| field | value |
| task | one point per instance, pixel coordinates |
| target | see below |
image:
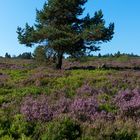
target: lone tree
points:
(60, 27)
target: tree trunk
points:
(59, 61)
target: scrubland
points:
(90, 99)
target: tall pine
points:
(60, 27)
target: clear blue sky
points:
(124, 13)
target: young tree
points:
(7, 55)
(59, 26)
(44, 55)
(40, 55)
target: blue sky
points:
(124, 13)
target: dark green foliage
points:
(59, 27)
(15, 127)
(63, 129)
(107, 130)
(44, 55)
(26, 55)
(7, 55)
(20, 127)
(99, 55)
(118, 54)
(40, 55)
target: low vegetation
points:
(89, 99)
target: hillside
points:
(89, 99)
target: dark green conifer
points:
(59, 26)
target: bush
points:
(86, 89)
(36, 109)
(44, 55)
(5, 122)
(107, 107)
(84, 109)
(61, 106)
(111, 130)
(14, 127)
(6, 137)
(129, 102)
(20, 128)
(40, 55)
(63, 129)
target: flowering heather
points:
(86, 89)
(34, 79)
(103, 115)
(10, 66)
(84, 109)
(36, 109)
(128, 102)
(3, 77)
(61, 106)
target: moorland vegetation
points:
(84, 98)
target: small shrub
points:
(40, 55)
(86, 89)
(20, 128)
(84, 109)
(7, 137)
(129, 102)
(4, 124)
(36, 109)
(61, 106)
(63, 129)
(107, 107)
(111, 130)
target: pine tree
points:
(59, 26)
(7, 55)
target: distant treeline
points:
(29, 55)
(25, 55)
(118, 54)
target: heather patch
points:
(128, 102)
(97, 104)
(36, 109)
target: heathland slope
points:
(90, 99)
